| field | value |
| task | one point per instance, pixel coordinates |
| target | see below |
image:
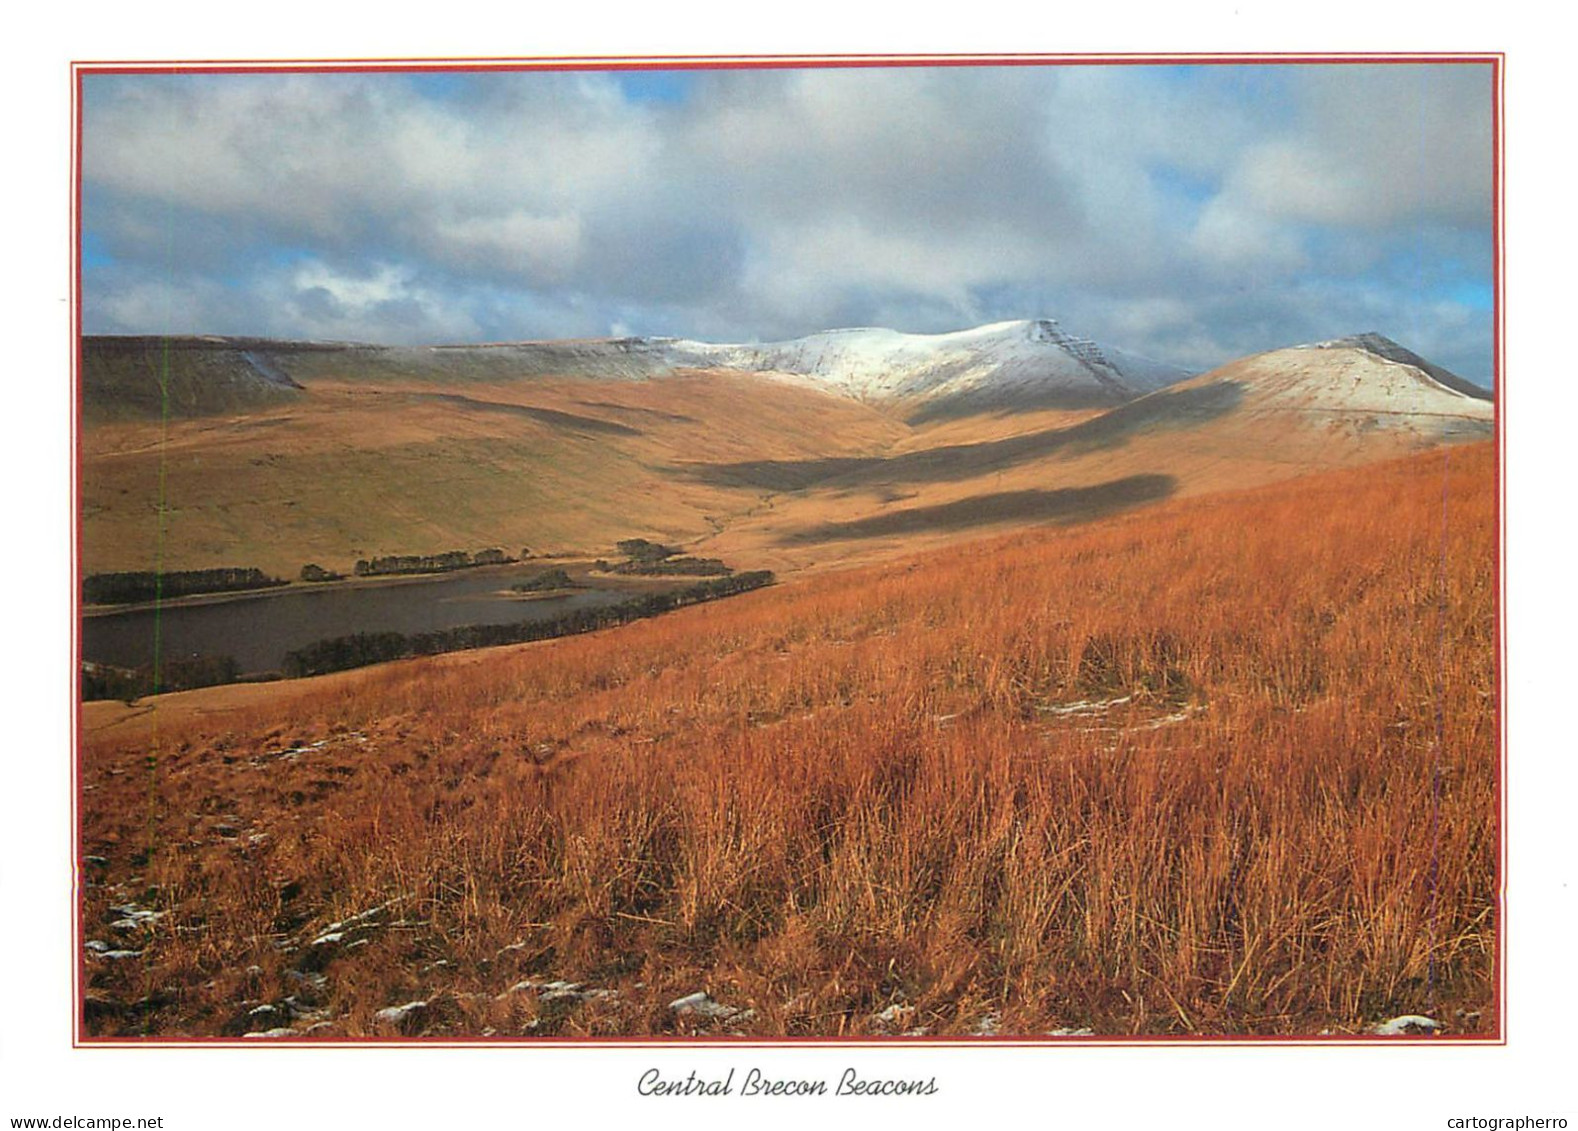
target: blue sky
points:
(1193, 213)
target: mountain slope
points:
(131, 377)
(1159, 756)
(357, 467)
(1002, 365)
(1260, 419)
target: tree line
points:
(668, 567)
(428, 563)
(152, 585)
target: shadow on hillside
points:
(1182, 408)
(984, 402)
(543, 415)
(670, 417)
(1068, 504)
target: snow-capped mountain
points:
(1004, 362)
(1367, 375)
(1362, 389)
(1429, 378)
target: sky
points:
(1192, 213)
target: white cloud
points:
(1378, 144)
(1239, 238)
(355, 292)
(387, 302)
(1283, 178)
(518, 242)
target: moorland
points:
(1175, 716)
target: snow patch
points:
(1083, 706)
(1408, 1025)
(575, 993)
(988, 1026)
(701, 1004)
(399, 1015)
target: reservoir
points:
(258, 629)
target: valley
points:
(380, 451)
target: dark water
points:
(259, 630)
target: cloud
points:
(1191, 207)
(1381, 144)
(518, 242)
(1244, 240)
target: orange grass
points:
(1226, 766)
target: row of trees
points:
(429, 563)
(130, 586)
(669, 567)
(150, 585)
(343, 652)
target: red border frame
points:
(1495, 60)
(75, 323)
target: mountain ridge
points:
(1017, 363)
(1023, 363)
(1003, 366)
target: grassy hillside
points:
(352, 469)
(1256, 421)
(296, 454)
(1225, 765)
